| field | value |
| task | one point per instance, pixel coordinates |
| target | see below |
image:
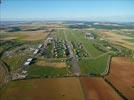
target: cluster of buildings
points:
(29, 60)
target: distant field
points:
(26, 35)
(43, 89)
(119, 39)
(94, 66)
(121, 76)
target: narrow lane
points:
(74, 61)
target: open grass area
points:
(39, 71)
(44, 68)
(94, 66)
(59, 34)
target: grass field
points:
(94, 66)
(39, 71)
(48, 68)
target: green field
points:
(44, 71)
(94, 66)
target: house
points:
(26, 63)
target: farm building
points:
(90, 36)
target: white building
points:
(28, 61)
(36, 51)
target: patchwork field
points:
(97, 89)
(44, 89)
(121, 76)
(118, 38)
(64, 55)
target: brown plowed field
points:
(97, 89)
(44, 89)
(122, 76)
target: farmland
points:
(44, 68)
(94, 66)
(58, 62)
(48, 89)
(94, 91)
(120, 37)
(121, 76)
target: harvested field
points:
(118, 39)
(121, 76)
(98, 89)
(44, 89)
(51, 64)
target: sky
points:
(94, 10)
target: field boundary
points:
(115, 89)
(107, 70)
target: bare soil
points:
(122, 76)
(97, 89)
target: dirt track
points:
(98, 89)
(44, 89)
(122, 76)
